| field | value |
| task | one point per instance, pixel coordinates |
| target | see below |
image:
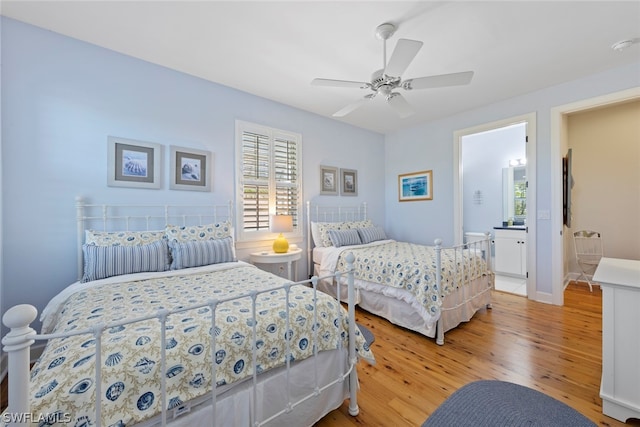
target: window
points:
(268, 179)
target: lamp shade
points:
(281, 223)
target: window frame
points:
(250, 236)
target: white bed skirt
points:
(233, 406)
(400, 307)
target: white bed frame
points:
(18, 341)
(457, 307)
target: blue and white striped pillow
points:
(371, 234)
(101, 262)
(344, 237)
(201, 252)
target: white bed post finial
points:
(17, 344)
(353, 376)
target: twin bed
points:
(167, 326)
(398, 280)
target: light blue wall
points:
(62, 97)
(430, 146)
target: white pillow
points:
(315, 233)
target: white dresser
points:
(620, 386)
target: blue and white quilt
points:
(411, 267)
(63, 379)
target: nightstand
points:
(271, 257)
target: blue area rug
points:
(367, 334)
(497, 403)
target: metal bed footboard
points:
(18, 341)
(466, 268)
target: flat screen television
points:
(567, 185)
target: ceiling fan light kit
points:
(387, 79)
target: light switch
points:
(544, 214)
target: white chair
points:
(588, 247)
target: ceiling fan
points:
(385, 81)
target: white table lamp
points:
(281, 224)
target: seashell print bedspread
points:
(62, 381)
(413, 267)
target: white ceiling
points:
(274, 49)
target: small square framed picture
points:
(348, 182)
(191, 169)
(329, 180)
(132, 163)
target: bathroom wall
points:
(484, 156)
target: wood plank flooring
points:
(556, 350)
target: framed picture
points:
(329, 180)
(415, 186)
(348, 182)
(132, 163)
(191, 169)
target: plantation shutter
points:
(255, 173)
(286, 178)
(268, 179)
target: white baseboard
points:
(544, 297)
(570, 277)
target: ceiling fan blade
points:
(442, 80)
(400, 104)
(352, 107)
(402, 56)
(339, 83)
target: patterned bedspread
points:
(62, 381)
(413, 267)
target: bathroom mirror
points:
(514, 194)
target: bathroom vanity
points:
(510, 250)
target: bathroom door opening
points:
(493, 167)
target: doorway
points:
(486, 200)
(559, 146)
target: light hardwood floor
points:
(555, 350)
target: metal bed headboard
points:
(113, 217)
(330, 213)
